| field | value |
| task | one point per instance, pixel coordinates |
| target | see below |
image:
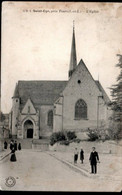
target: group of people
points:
(13, 148)
(93, 159)
(13, 144)
(76, 155)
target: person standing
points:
(19, 146)
(94, 158)
(13, 156)
(81, 155)
(11, 144)
(15, 145)
(75, 155)
(5, 145)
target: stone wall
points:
(82, 86)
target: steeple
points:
(73, 57)
(16, 92)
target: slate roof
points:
(40, 92)
(45, 92)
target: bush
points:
(57, 136)
(93, 135)
(77, 140)
(71, 135)
(115, 131)
(107, 137)
(65, 142)
(61, 136)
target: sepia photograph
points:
(61, 96)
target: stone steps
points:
(41, 144)
(25, 143)
(29, 143)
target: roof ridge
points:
(43, 81)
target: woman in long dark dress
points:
(13, 156)
(19, 146)
(5, 145)
(81, 155)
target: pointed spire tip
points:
(73, 24)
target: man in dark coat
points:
(81, 155)
(15, 145)
(11, 144)
(94, 158)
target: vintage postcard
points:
(61, 98)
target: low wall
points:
(102, 147)
(42, 147)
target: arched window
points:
(50, 118)
(80, 109)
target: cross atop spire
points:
(73, 57)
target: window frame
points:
(50, 120)
(79, 114)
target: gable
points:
(82, 82)
(29, 108)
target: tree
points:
(2, 117)
(116, 104)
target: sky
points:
(36, 42)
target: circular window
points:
(79, 81)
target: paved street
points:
(38, 171)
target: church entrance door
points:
(29, 129)
(29, 133)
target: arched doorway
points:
(29, 133)
(28, 127)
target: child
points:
(75, 155)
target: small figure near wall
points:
(81, 155)
(5, 145)
(19, 146)
(11, 144)
(75, 155)
(15, 145)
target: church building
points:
(43, 107)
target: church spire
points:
(73, 57)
